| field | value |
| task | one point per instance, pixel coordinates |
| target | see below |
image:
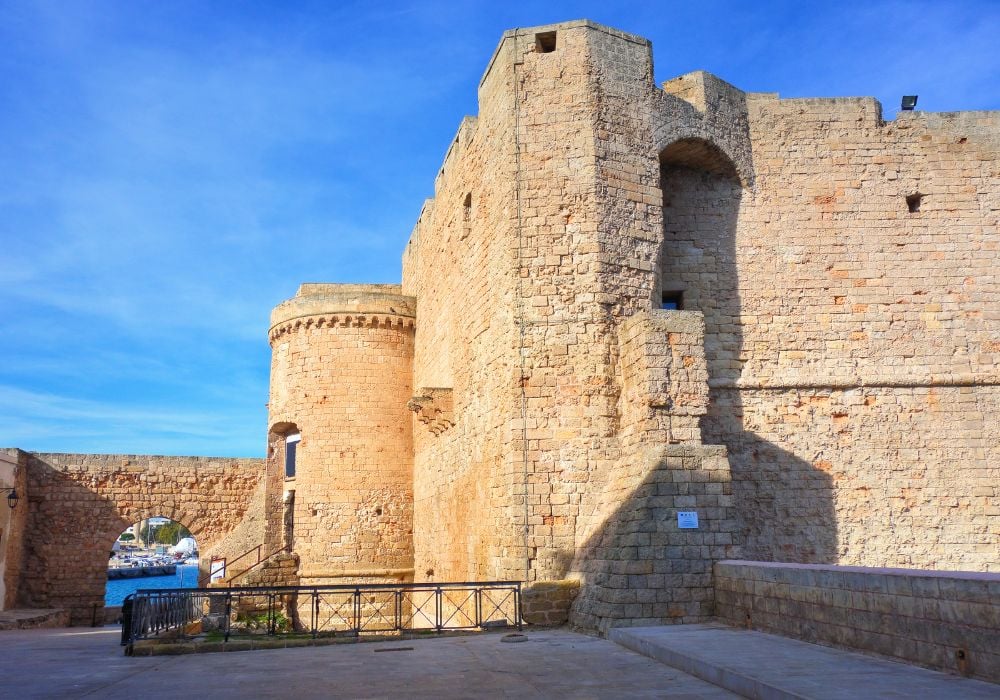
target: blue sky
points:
(169, 171)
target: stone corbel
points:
(434, 408)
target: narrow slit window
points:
(545, 42)
(672, 301)
(913, 202)
(291, 444)
(466, 216)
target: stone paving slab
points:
(89, 663)
(770, 667)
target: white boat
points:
(186, 547)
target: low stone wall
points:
(948, 620)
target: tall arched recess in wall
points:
(699, 266)
(697, 263)
(283, 441)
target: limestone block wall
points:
(568, 398)
(548, 603)
(13, 525)
(664, 378)
(341, 375)
(566, 206)
(460, 263)
(77, 506)
(640, 567)
(852, 343)
(942, 619)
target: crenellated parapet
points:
(342, 321)
(344, 305)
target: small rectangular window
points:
(672, 301)
(913, 202)
(291, 442)
(545, 42)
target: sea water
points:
(117, 589)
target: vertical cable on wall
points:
(520, 296)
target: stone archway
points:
(79, 504)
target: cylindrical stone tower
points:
(340, 436)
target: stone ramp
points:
(25, 618)
(769, 667)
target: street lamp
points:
(12, 497)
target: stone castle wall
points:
(853, 344)
(77, 505)
(849, 346)
(565, 235)
(13, 525)
(461, 264)
(827, 394)
(341, 375)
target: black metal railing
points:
(320, 611)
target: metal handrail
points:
(208, 577)
(336, 609)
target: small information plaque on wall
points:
(687, 519)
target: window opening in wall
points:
(545, 42)
(288, 519)
(672, 301)
(466, 215)
(291, 443)
(913, 202)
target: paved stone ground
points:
(763, 665)
(88, 663)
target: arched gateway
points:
(80, 503)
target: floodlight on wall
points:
(909, 102)
(12, 497)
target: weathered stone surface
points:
(77, 505)
(942, 619)
(548, 603)
(849, 345)
(341, 377)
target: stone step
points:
(27, 618)
(770, 667)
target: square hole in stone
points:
(545, 42)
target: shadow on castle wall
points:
(784, 505)
(754, 498)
